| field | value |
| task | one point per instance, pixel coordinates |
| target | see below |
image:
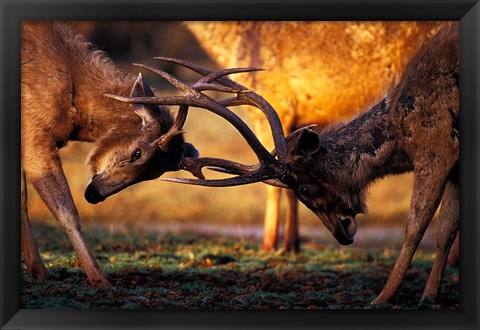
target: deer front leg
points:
(271, 219)
(446, 231)
(32, 259)
(428, 186)
(454, 256)
(50, 182)
(291, 240)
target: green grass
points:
(188, 271)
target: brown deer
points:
(413, 128)
(319, 73)
(63, 82)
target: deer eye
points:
(304, 191)
(136, 155)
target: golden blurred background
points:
(162, 206)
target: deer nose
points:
(92, 195)
(350, 226)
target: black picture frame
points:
(13, 12)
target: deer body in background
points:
(319, 73)
(415, 127)
(63, 82)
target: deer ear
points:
(141, 89)
(308, 142)
(190, 151)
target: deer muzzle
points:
(93, 195)
(99, 189)
(348, 226)
(342, 227)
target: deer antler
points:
(269, 166)
(247, 97)
(176, 128)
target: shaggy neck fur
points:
(362, 150)
(93, 75)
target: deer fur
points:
(415, 128)
(64, 80)
(319, 72)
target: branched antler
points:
(246, 98)
(269, 166)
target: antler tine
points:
(215, 87)
(256, 172)
(195, 166)
(171, 79)
(249, 98)
(205, 83)
(181, 117)
(176, 128)
(236, 181)
(214, 75)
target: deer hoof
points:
(426, 303)
(102, 283)
(381, 299)
(39, 271)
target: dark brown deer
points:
(413, 128)
(63, 82)
(319, 73)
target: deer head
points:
(334, 202)
(138, 151)
(288, 166)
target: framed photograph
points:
(93, 237)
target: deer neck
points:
(97, 114)
(364, 149)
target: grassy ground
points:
(190, 271)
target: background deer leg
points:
(271, 219)
(291, 240)
(34, 263)
(49, 180)
(428, 187)
(446, 231)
